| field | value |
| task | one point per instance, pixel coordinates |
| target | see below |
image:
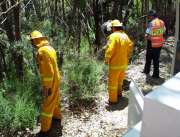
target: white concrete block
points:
(161, 113)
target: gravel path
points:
(103, 121)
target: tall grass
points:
(25, 113)
(18, 108)
(6, 110)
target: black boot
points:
(43, 134)
(156, 74)
(56, 128)
(56, 120)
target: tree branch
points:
(3, 20)
(27, 4)
(15, 5)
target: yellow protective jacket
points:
(48, 68)
(118, 49)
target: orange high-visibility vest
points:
(158, 29)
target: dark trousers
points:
(152, 54)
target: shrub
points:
(17, 104)
(83, 79)
(25, 109)
(24, 113)
(6, 110)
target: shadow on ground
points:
(154, 81)
(150, 83)
(120, 105)
(78, 106)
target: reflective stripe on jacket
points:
(157, 31)
(118, 50)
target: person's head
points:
(36, 38)
(152, 14)
(116, 25)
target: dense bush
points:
(83, 78)
(6, 110)
(136, 33)
(25, 113)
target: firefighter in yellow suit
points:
(50, 79)
(117, 53)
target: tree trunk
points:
(106, 11)
(53, 31)
(18, 56)
(3, 67)
(79, 31)
(27, 8)
(63, 11)
(16, 12)
(63, 17)
(97, 20)
(37, 10)
(114, 13)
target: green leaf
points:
(82, 4)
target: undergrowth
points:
(18, 108)
(83, 79)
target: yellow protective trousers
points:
(115, 82)
(50, 109)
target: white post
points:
(175, 63)
(177, 20)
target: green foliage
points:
(82, 4)
(85, 47)
(46, 27)
(6, 110)
(82, 74)
(17, 105)
(83, 80)
(136, 33)
(137, 7)
(24, 113)
(18, 98)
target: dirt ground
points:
(101, 121)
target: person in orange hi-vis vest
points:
(117, 53)
(155, 40)
(50, 79)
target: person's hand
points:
(45, 92)
(106, 62)
(104, 48)
(147, 36)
